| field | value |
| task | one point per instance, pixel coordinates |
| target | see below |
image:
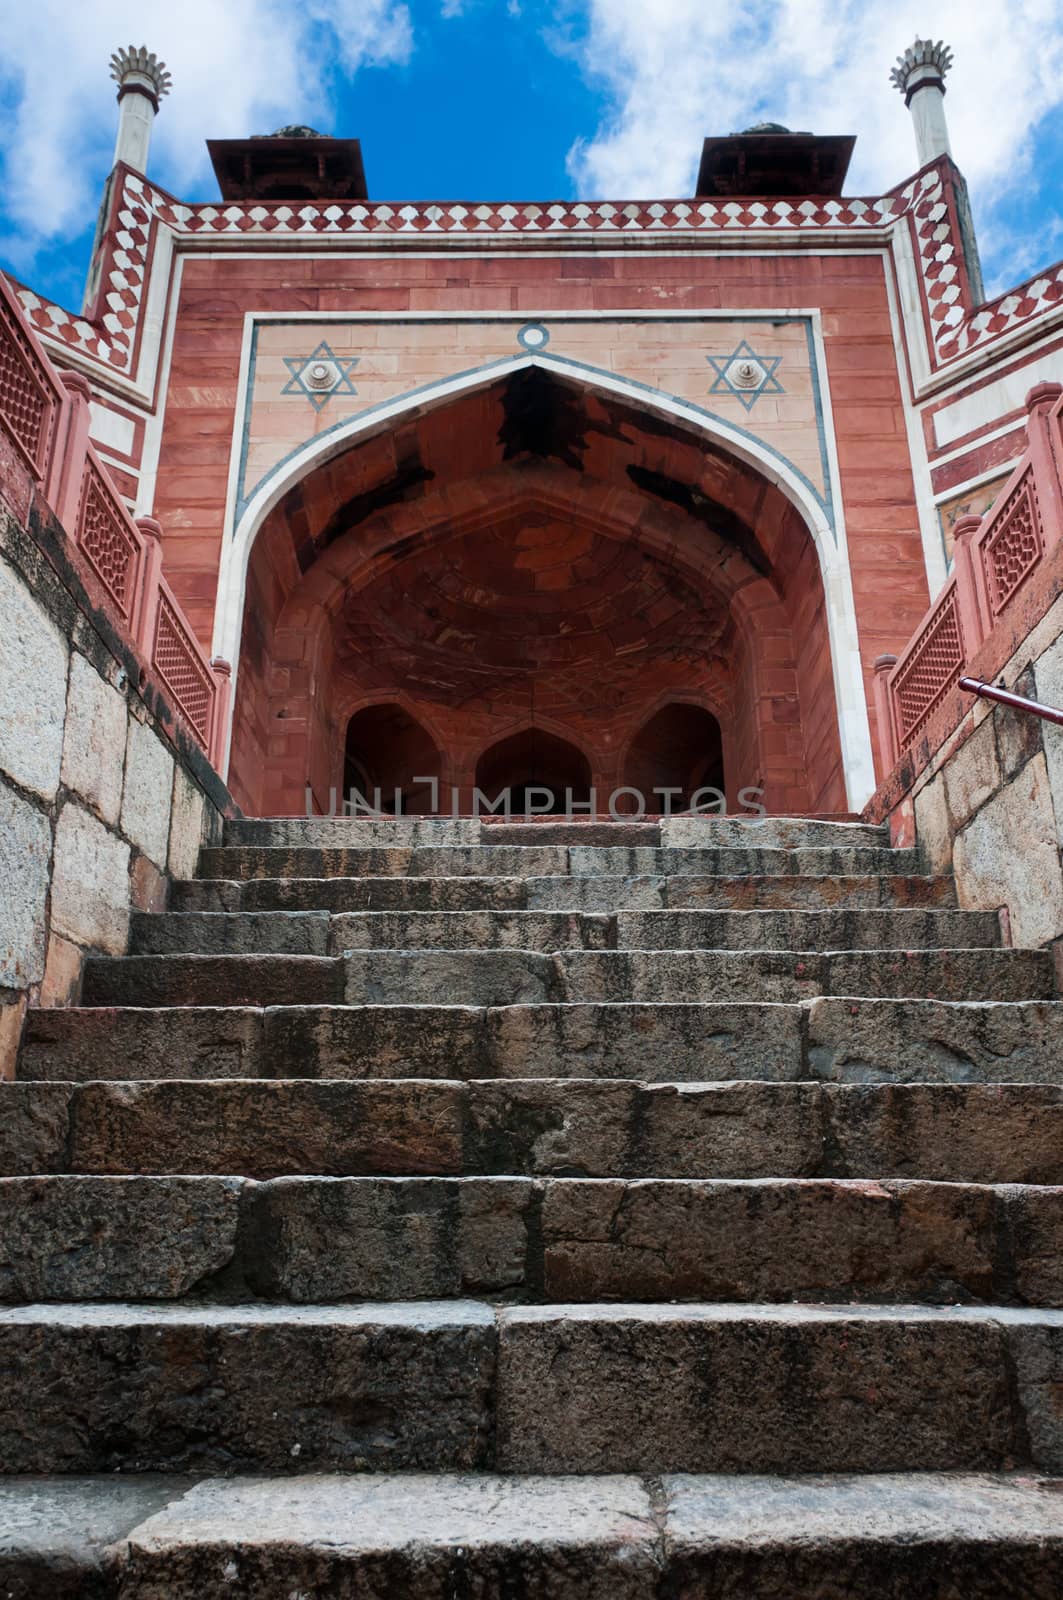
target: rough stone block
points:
(1048, 687)
(680, 1042)
(546, 1126)
(373, 1042)
(148, 793)
(933, 826)
(245, 1388)
(972, 774)
(128, 1044)
(33, 674)
(62, 973)
(94, 741)
(34, 1124)
(761, 1389)
(933, 1041)
(186, 825)
(955, 1133)
(90, 882)
(1036, 1341)
(300, 933)
(25, 850)
(318, 1239)
(433, 1537)
(1009, 856)
(12, 1013)
(68, 1238)
(768, 1240)
(1034, 1223)
(266, 1129)
(747, 1537)
(214, 981)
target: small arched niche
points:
(534, 759)
(679, 748)
(388, 750)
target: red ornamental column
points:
(1046, 464)
(972, 597)
(219, 722)
(143, 619)
(68, 478)
(887, 729)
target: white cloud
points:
(239, 67)
(676, 70)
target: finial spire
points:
(142, 81)
(922, 67)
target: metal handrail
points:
(1018, 702)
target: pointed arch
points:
(825, 531)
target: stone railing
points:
(45, 451)
(994, 557)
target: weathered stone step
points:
(680, 832)
(160, 1388)
(923, 1536)
(325, 933)
(550, 1389)
(564, 893)
(317, 1240)
(995, 1133)
(776, 1388)
(509, 977)
(845, 1040)
(539, 861)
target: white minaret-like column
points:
(142, 81)
(920, 77)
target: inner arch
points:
(535, 556)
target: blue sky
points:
(485, 99)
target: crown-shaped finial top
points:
(144, 62)
(923, 53)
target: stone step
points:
(724, 1388)
(325, 933)
(646, 893)
(318, 1240)
(458, 1384)
(680, 832)
(433, 1536)
(603, 1128)
(164, 1388)
(538, 861)
(508, 977)
(845, 1040)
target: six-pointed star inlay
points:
(320, 375)
(745, 374)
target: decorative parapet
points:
(139, 210)
(995, 557)
(44, 422)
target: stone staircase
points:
(454, 1211)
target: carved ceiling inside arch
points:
(524, 423)
(533, 610)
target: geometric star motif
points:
(745, 374)
(320, 375)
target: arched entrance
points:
(388, 756)
(535, 555)
(539, 771)
(680, 751)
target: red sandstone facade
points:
(594, 494)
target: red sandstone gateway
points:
(612, 493)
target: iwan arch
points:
(541, 547)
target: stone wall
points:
(103, 794)
(988, 803)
